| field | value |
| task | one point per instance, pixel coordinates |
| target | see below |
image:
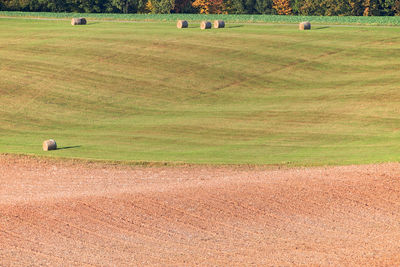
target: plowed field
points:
(68, 213)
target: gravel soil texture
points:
(56, 213)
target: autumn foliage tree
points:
(209, 6)
(370, 8)
(282, 7)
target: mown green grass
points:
(246, 94)
(373, 20)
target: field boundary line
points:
(258, 23)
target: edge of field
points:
(253, 19)
(132, 163)
(151, 164)
(147, 164)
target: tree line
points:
(280, 7)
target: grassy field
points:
(356, 20)
(257, 94)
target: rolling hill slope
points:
(256, 94)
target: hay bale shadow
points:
(234, 26)
(67, 147)
(321, 28)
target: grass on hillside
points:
(244, 94)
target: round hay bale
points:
(78, 21)
(205, 25)
(74, 21)
(49, 145)
(83, 21)
(182, 24)
(305, 26)
(219, 24)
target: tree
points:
(249, 6)
(141, 6)
(53, 5)
(209, 6)
(396, 7)
(389, 7)
(296, 5)
(162, 6)
(370, 8)
(282, 7)
(19, 5)
(234, 6)
(334, 7)
(184, 6)
(311, 7)
(124, 5)
(87, 6)
(356, 8)
(243, 6)
(264, 7)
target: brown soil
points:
(75, 214)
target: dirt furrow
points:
(63, 213)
